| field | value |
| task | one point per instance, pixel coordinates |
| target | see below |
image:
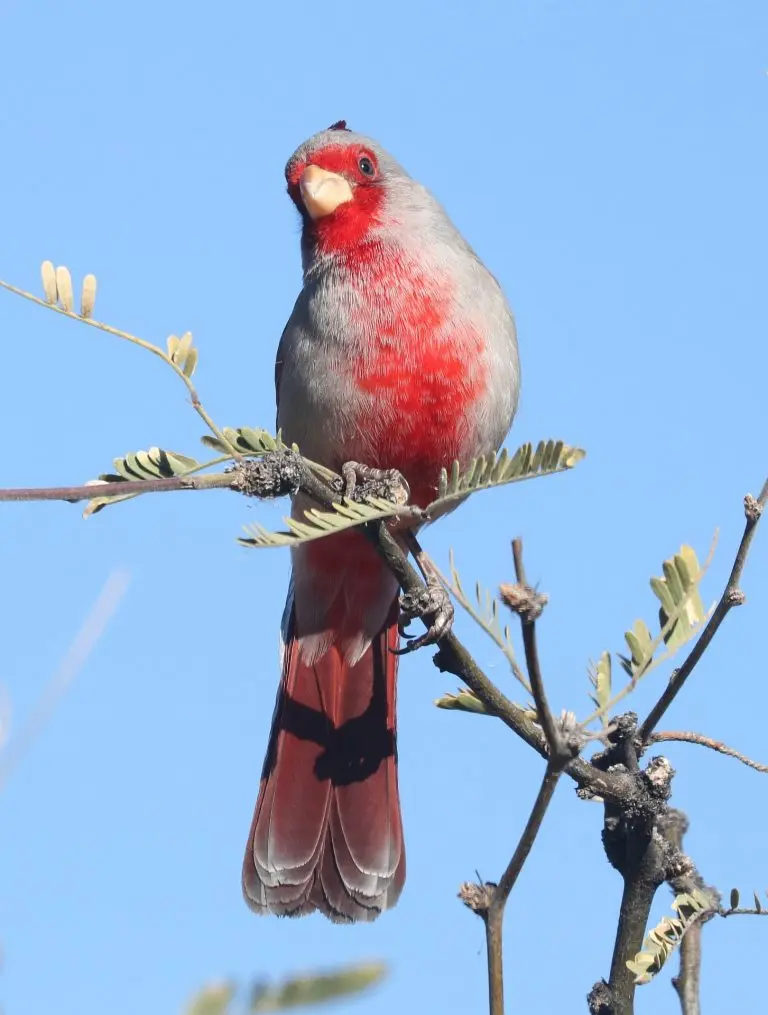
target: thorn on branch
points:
(276, 474)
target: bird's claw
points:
(361, 481)
(432, 604)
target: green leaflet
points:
(600, 678)
(181, 353)
(88, 296)
(312, 990)
(137, 466)
(295, 992)
(734, 908)
(681, 613)
(213, 999)
(681, 617)
(548, 458)
(667, 935)
(486, 614)
(463, 701)
(317, 523)
(247, 440)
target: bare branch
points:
(743, 911)
(90, 491)
(531, 830)
(489, 900)
(714, 745)
(273, 474)
(453, 657)
(732, 596)
(687, 983)
(528, 604)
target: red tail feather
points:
(326, 832)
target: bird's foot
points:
(361, 481)
(432, 605)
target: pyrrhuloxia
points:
(400, 353)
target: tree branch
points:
(453, 657)
(687, 983)
(732, 596)
(714, 745)
(281, 472)
(528, 604)
(489, 900)
(91, 491)
(637, 851)
(640, 885)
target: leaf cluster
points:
(667, 935)
(295, 992)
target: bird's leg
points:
(432, 604)
(362, 481)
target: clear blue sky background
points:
(608, 161)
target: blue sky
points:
(608, 162)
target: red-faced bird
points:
(400, 353)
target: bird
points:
(400, 353)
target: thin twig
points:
(654, 660)
(558, 750)
(714, 745)
(134, 340)
(495, 916)
(531, 830)
(77, 655)
(453, 657)
(687, 983)
(732, 596)
(491, 626)
(92, 491)
(742, 911)
(489, 901)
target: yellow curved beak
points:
(322, 192)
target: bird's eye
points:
(366, 166)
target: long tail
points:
(327, 833)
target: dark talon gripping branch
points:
(432, 605)
(361, 481)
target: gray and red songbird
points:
(400, 353)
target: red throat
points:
(351, 222)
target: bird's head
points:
(342, 184)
